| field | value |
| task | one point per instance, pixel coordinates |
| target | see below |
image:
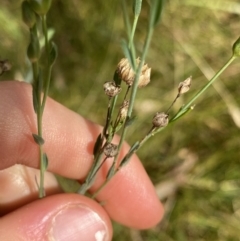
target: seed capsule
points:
(111, 89)
(184, 86)
(160, 119)
(127, 74)
(110, 150)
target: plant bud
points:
(110, 150)
(236, 48)
(127, 74)
(111, 89)
(184, 86)
(40, 7)
(28, 15)
(160, 119)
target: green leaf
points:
(35, 99)
(45, 162)
(33, 51)
(155, 13)
(53, 53)
(236, 48)
(28, 15)
(39, 83)
(126, 159)
(111, 172)
(137, 5)
(38, 139)
(68, 185)
(130, 120)
(128, 54)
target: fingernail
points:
(77, 222)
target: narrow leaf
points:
(132, 150)
(98, 144)
(130, 120)
(45, 161)
(128, 53)
(53, 54)
(155, 13)
(137, 5)
(116, 78)
(68, 185)
(38, 139)
(35, 99)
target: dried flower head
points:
(110, 150)
(111, 89)
(127, 74)
(184, 86)
(160, 119)
(5, 66)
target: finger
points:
(59, 217)
(69, 141)
(18, 187)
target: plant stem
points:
(132, 98)
(48, 74)
(42, 102)
(188, 105)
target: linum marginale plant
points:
(34, 14)
(132, 71)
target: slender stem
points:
(172, 104)
(42, 102)
(188, 105)
(47, 49)
(134, 90)
(130, 45)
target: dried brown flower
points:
(110, 150)
(124, 109)
(111, 89)
(127, 74)
(5, 66)
(184, 86)
(160, 119)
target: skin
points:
(129, 198)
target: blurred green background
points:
(194, 163)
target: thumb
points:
(59, 217)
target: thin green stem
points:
(39, 124)
(131, 45)
(134, 92)
(42, 102)
(188, 105)
(48, 71)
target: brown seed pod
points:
(110, 150)
(184, 86)
(111, 89)
(160, 119)
(127, 74)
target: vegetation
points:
(194, 163)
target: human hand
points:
(129, 198)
